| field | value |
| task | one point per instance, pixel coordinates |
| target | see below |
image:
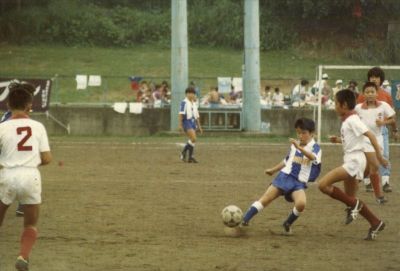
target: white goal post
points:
(322, 68)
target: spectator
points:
(323, 83)
(353, 87)
(214, 98)
(299, 93)
(277, 98)
(165, 93)
(192, 84)
(338, 87)
(144, 93)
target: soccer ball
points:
(231, 216)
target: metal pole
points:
(179, 57)
(319, 103)
(251, 80)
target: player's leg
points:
(191, 133)
(373, 165)
(299, 198)
(351, 187)
(270, 194)
(28, 236)
(3, 210)
(326, 186)
(385, 172)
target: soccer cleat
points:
(352, 213)
(19, 212)
(183, 156)
(287, 230)
(21, 264)
(192, 160)
(381, 200)
(368, 188)
(244, 223)
(373, 231)
(387, 188)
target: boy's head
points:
(305, 130)
(21, 96)
(304, 82)
(370, 91)
(190, 91)
(376, 75)
(305, 124)
(345, 100)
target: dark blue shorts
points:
(189, 124)
(288, 184)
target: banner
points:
(41, 96)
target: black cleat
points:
(287, 229)
(387, 188)
(183, 156)
(381, 200)
(21, 264)
(352, 213)
(373, 232)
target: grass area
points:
(278, 68)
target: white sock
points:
(385, 180)
(366, 181)
(258, 205)
(296, 212)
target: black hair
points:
(304, 82)
(346, 96)
(376, 72)
(305, 124)
(190, 90)
(21, 95)
(369, 84)
(354, 82)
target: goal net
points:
(356, 73)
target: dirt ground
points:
(136, 206)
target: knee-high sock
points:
(28, 239)
(376, 184)
(343, 197)
(368, 215)
(252, 211)
(191, 148)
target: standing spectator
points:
(338, 87)
(299, 93)
(277, 98)
(377, 76)
(25, 146)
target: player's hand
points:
(333, 139)
(379, 123)
(180, 128)
(201, 130)
(294, 142)
(269, 171)
(383, 161)
(395, 135)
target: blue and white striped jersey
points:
(300, 167)
(189, 110)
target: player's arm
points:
(308, 154)
(199, 125)
(335, 139)
(375, 144)
(387, 121)
(276, 168)
(180, 121)
(45, 157)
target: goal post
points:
(320, 71)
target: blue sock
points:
(252, 211)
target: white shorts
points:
(20, 183)
(355, 164)
(367, 146)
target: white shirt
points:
(352, 134)
(369, 116)
(21, 141)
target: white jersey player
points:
(24, 146)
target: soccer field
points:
(135, 206)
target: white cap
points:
(386, 83)
(325, 76)
(339, 81)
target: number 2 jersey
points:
(21, 142)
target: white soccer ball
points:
(231, 216)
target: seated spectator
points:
(266, 96)
(233, 97)
(277, 98)
(165, 93)
(196, 89)
(322, 83)
(214, 98)
(338, 87)
(144, 94)
(299, 93)
(353, 87)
